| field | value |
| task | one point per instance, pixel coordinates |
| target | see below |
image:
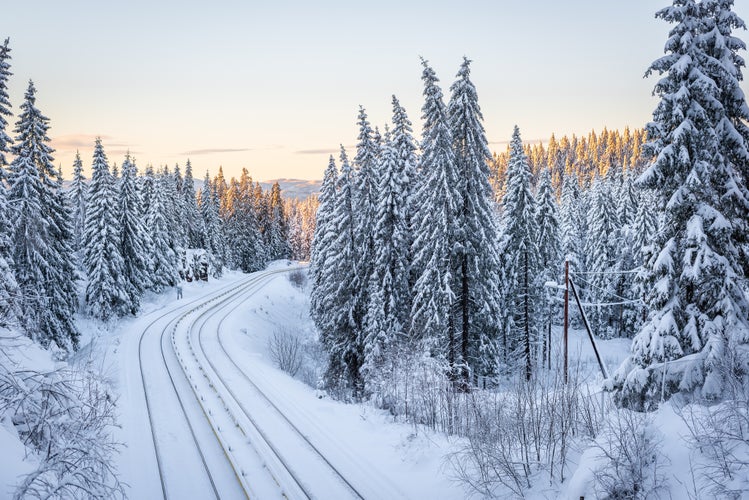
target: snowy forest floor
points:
(387, 459)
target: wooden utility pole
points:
(566, 311)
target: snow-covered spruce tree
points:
(549, 246)
(627, 260)
(213, 234)
(278, 231)
(177, 201)
(436, 231)
(135, 242)
(343, 336)
(146, 188)
(479, 269)
(78, 192)
(8, 285)
(569, 222)
(107, 291)
(627, 201)
(548, 241)
(171, 201)
(724, 67)
(190, 215)
(320, 269)
(243, 235)
(163, 258)
(642, 235)
(521, 257)
(698, 307)
(42, 256)
(5, 74)
(405, 146)
(365, 206)
(601, 254)
(389, 294)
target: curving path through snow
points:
(199, 423)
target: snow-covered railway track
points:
(319, 467)
(256, 467)
(150, 398)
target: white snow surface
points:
(213, 344)
(246, 446)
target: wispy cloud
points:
(318, 151)
(84, 141)
(210, 151)
(123, 152)
(195, 152)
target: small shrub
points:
(65, 416)
(285, 350)
(298, 278)
(633, 461)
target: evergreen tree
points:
(5, 74)
(644, 229)
(521, 256)
(698, 307)
(190, 215)
(78, 196)
(320, 270)
(107, 291)
(601, 253)
(365, 205)
(278, 239)
(477, 252)
(213, 235)
(548, 228)
(163, 258)
(135, 241)
(724, 67)
(571, 230)
(437, 231)
(8, 286)
(389, 294)
(342, 339)
(41, 234)
(243, 234)
(177, 201)
(146, 188)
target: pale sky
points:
(275, 86)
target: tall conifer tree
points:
(78, 194)
(437, 231)
(479, 272)
(699, 311)
(521, 256)
(135, 242)
(42, 255)
(8, 286)
(107, 289)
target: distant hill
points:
(290, 188)
(294, 188)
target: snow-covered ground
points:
(205, 413)
(257, 431)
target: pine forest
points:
(556, 318)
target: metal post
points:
(566, 312)
(590, 333)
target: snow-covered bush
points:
(523, 431)
(631, 459)
(298, 278)
(719, 434)
(64, 416)
(285, 350)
